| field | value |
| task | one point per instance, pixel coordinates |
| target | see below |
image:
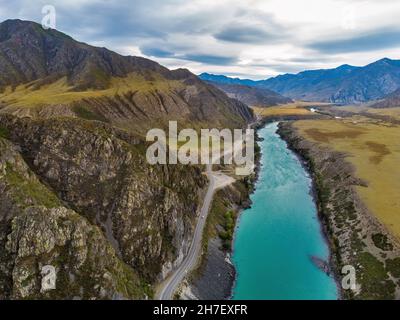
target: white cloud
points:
(254, 38)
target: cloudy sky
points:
(244, 38)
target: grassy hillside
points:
(298, 108)
(63, 77)
(60, 92)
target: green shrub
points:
(381, 241)
(393, 266)
(4, 133)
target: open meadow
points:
(297, 108)
(373, 149)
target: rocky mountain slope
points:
(252, 96)
(80, 196)
(37, 230)
(221, 79)
(343, 85)
(76, 190)
(45, 73)
(390, 101)
(28, 53)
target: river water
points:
(278, 235)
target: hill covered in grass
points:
(45, 73)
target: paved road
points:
(190, 260)
(217, 180)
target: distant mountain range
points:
(252, 96)
(47, 73)
(227, 80)
(343, 85)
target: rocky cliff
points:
(119, 212)
(37, 230)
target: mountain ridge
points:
(345, 84)
(390, 101)
(47, 73)
(252, 96)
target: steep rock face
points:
(86, 265)
(146, 212)
(68, 99)
(37, 231)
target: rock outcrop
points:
(144, 214)
(36, 230)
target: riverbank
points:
(355, 236)
(332, 264)
(278, 240)
(215, 276)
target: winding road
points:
(217, 180)
(168, 288)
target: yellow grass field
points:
(391, 112)
(60, 92)
(374, 150)
(290, 109)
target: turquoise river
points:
(278, 235)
